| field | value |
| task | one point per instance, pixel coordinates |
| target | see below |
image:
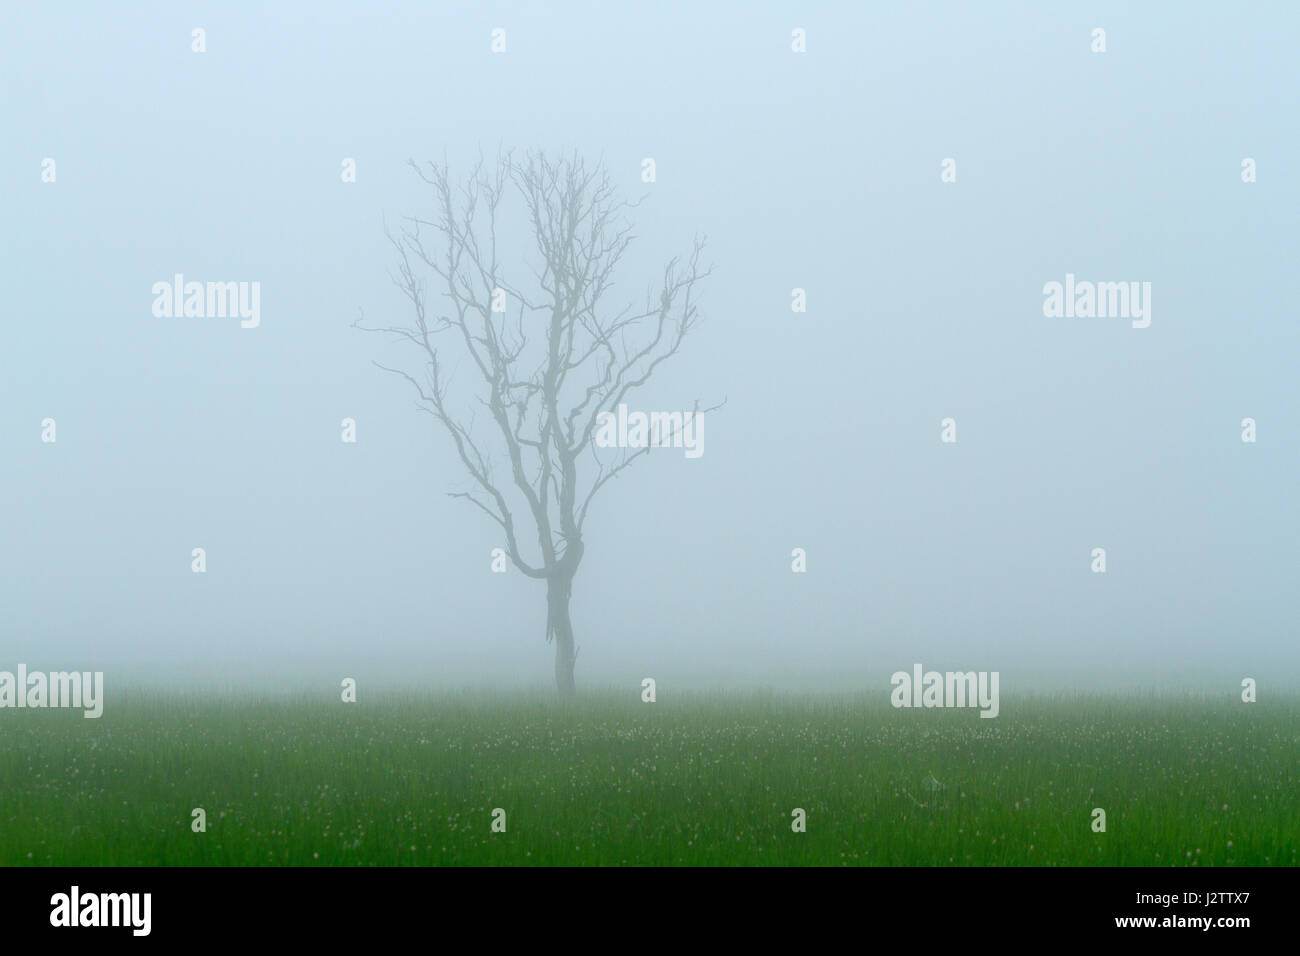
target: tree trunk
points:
(560, 629)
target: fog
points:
(818, 171)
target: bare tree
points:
(548, 357)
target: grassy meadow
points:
(605, 780)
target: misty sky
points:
(818, 170)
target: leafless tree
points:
(549, 356)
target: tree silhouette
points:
(548, 357)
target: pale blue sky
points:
(819, 171)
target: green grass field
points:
(705, 779)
